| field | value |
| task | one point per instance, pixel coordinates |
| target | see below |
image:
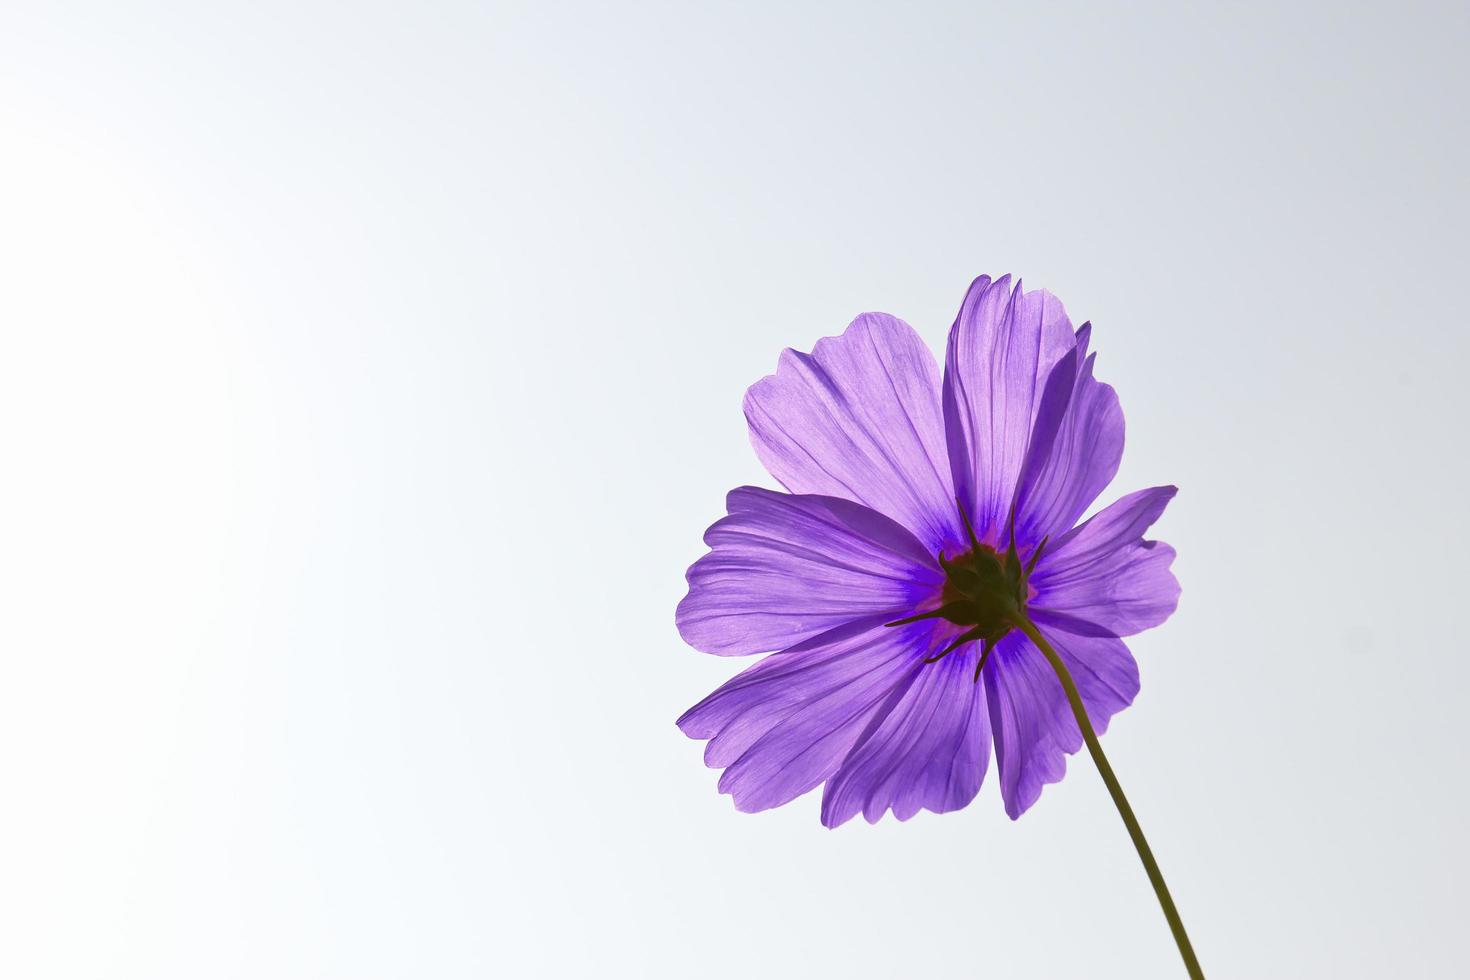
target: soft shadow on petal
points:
(1002, 348)
(1075, 448)
(859, 418)
(930, 752)
(782, 727)
(1103, 572)
(1033, 724)
(784, 568)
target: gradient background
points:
(369, 375)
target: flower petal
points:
(1002, 347)
(930, 752)
(784, 568)
(859, 418)
(1034, 726)
(785, 725)
(1103, 572)
(1075, 448)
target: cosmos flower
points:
(929, 542)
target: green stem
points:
(1155, 877)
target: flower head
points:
(927, 514)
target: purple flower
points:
(927, 515)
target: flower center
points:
(984, 590)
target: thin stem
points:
(1155, 877)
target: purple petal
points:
(1075, 448)
(930, 752)
(1034, 726)
(1002, 347)
(1103, 572)
(785, 725)
(783, 569)
(859, 418)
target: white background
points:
(370, 372)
